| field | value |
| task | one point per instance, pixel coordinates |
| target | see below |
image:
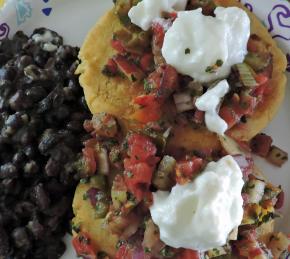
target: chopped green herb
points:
(209, 69)
(219, 62)
(85, 196)
(84, 180)
(166, 252)
(187, 51)
(133, 78)
(147, 86)
(129, 174)
(147, 250)
(76, 227)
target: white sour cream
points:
(195, 42)
(145, 12)
(200, 215)
(209, 103)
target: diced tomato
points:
(232, 114)
(89, 156)
(124, 252)
(158, 34)
(246, 198)
(255, 252)
(148, 114)
(137, 177)
(198, 117)
(173, 15)
(189, 254)
(131, 70)
(228, 114)
(88, 126)
(186, 169)
(146, 62)
(246, 164)
(141, 148)
(280, 200)
(145, 100)
(262, 81)
(252, 45)
(140, 166)
(169, 80)
(261, 144)
(118, 46)
(83, 247)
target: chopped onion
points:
(183, 102)
(255, 190)
(103, 161)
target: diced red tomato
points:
(252, 45)
(141, 148)
(83, 247)
(169, 80)
(111, 67)
(145, 100)
(148, 114)
(186, 169)
(198, 117)
(232, 114)
(246, 198)
(173, 15)
(140, 166)
(280, 200)
(158, 34)
(255, 252)
(246, 164)
(261, 144)
(137, 177)
(89, 156)
(262, 81)
(131, 70)
(88, 126)
(118, 46)
(189, 254)
(146, 62)
(124, 252)
(228, 114)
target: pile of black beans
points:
(42, 110)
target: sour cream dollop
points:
(146, 11)
(209, 103)
(200, 215)
(205, 47)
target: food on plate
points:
(261, 145)
(223, 72)
(135, 200)
(42, 110)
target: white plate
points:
(73, 18)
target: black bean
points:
(24, 208)
(18, 158)
(9, 73)
(36, 93)
(8, 171)
(24, 61)
(48, 139)
(30, 151)
(4, 243)
(75, 126)
(41, 197)
(11, 186)
(52, 167)
(36, 228)
(31, 168)
(21, 238)
(17, 100)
